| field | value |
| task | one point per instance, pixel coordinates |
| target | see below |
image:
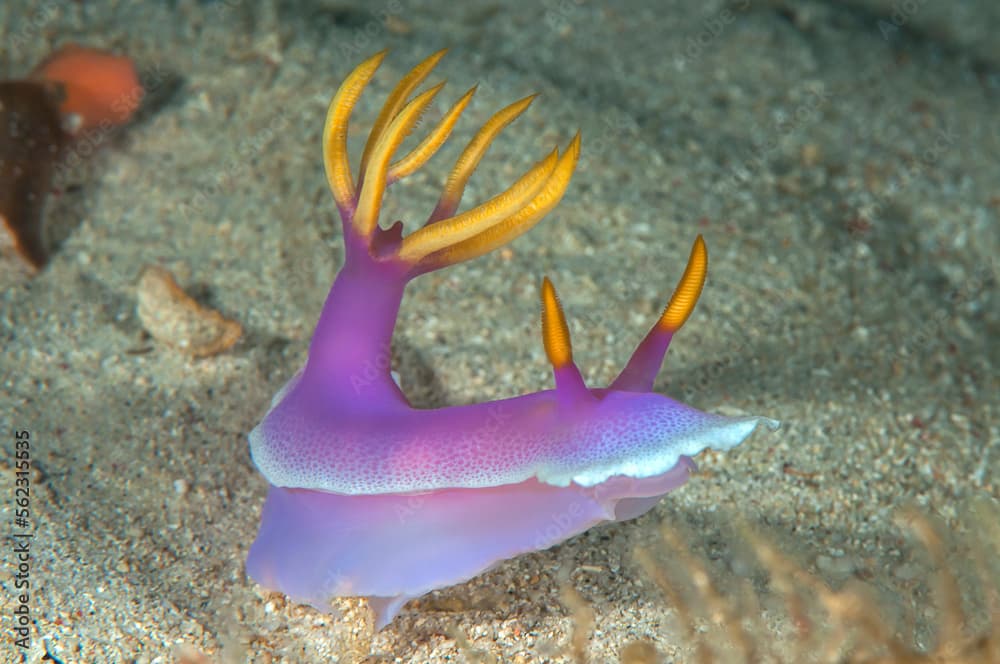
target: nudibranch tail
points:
(642, 368)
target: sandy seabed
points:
(840, 158)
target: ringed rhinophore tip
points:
(555, 338)
(555, 331)
(640, 372)
(688, 290)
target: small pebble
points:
(171, 316)
(640, 652)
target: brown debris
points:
(583, 617)
(31, 144)
(188, 654)
(171, 316)
(845, 626)
(810, 154)
(640, 652)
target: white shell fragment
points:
(172, 317)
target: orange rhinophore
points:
(98, 88)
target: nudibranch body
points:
(371, 497)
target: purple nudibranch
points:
(371, 497)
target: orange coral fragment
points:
(99, 88)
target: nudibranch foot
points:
(371, 497)
(394, 547)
